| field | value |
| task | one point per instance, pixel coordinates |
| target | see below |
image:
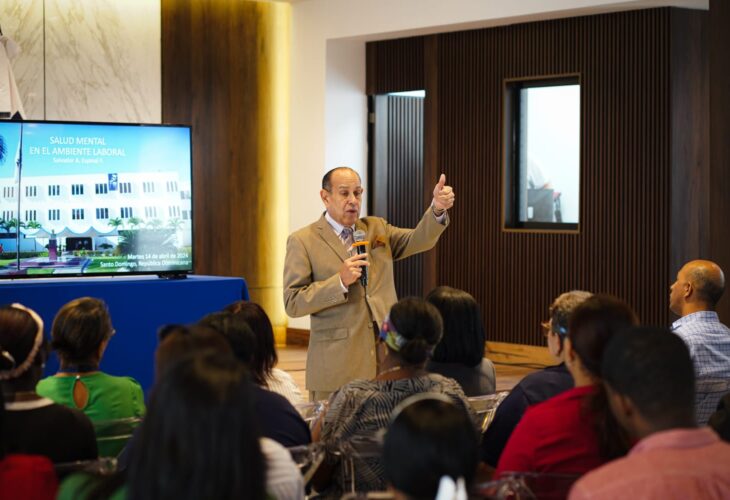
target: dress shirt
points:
(678, 463)
(708, 341)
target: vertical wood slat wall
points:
(405, 161)
(221, 65)
(624, 244)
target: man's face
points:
(344, 200)
(677, 291)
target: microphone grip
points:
(364, 269)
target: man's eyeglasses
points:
(547, 328)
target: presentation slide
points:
(81, 198)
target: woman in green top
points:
(80, 333)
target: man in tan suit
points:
(321, 278)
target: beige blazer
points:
(342, 342)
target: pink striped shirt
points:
(679, 463)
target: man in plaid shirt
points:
(699, 286)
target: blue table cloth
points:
(138, 305)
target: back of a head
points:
(562, 309)
(419, 325)
(428, 439)
(463, 332)
(22, 344)
(181, 341)
(264, 358)
(708, 281)
(592, 325)
(653, 368)
(238, 334)
(79, 328)
(199, 438)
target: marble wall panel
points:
(103, 60)
(22, 20)
(87, 60)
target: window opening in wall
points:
(542, 153)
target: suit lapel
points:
(328, 235)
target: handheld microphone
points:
(360, 247)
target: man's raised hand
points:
(443, 196)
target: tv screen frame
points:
(121, 194)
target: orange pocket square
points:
(379, 241)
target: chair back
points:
(100, 467)
(112, 435)
(310, 412)
(486, 406)
(361, 463)
(528, 485)
(307, 458)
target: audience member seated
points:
(25, 477)
(538, 386)
(175, 343)
(277, 418)
(720, 420)
(35, 425)
(430, 447)
(198, 440)
(80, 334)
(263, 364)
(460, 353)
(361, 408)
(649, 378)
(574, 432)
(694, 295)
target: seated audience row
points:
(621, 409)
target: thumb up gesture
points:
(443, 196)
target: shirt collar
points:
(699, 316)
(335, 225)
(676, 439)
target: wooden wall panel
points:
(405, 170)
(719, 185)
(399, 66)
(623, 246)
(220, 74)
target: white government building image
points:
(86, 206)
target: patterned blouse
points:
(359, 410)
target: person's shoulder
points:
(68, 418)
(603, 482)
(264, 398)
(119, 381)
(306, 230)
(47, 385)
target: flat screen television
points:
(81, 199)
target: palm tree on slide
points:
(33, 225)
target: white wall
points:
(329, 118)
